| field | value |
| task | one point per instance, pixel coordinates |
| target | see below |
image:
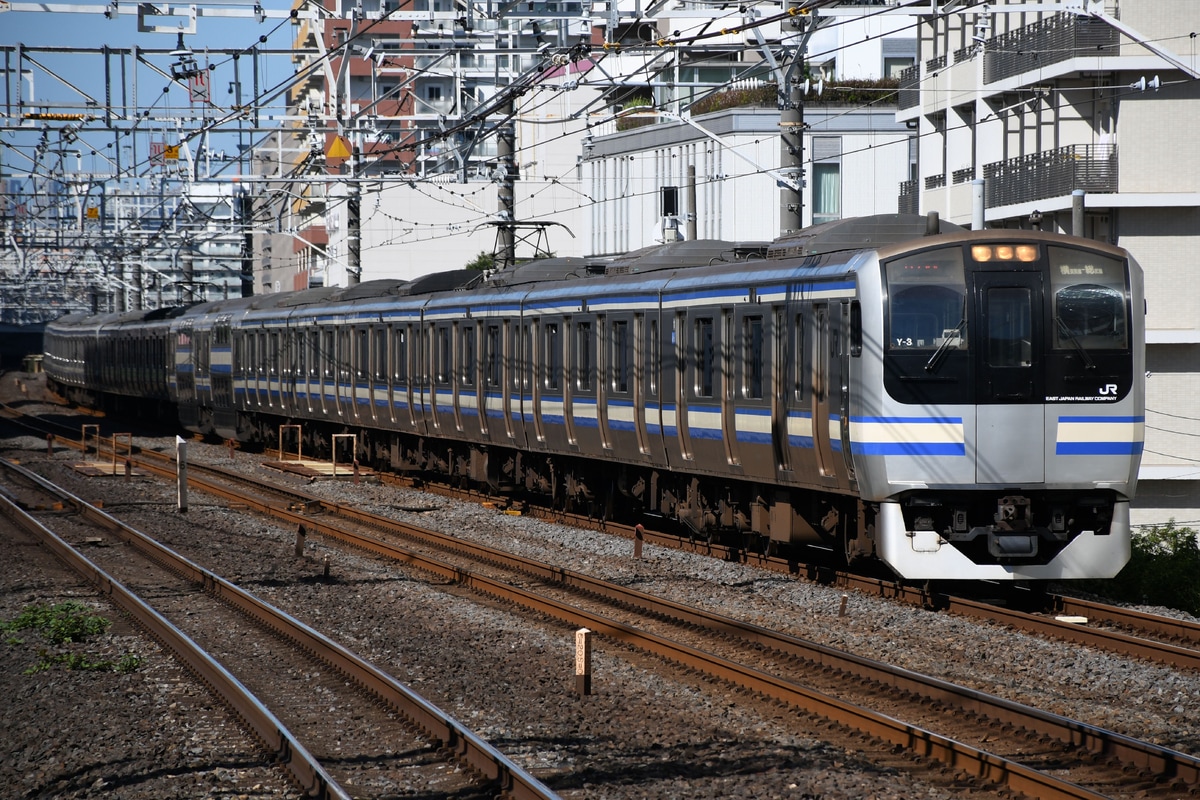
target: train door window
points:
(361, 354)
(441, 354)
(683, 355)
(379, 353)
(492, 355)
(527, 348)
(552, 358)
(400, 355)
(328, 354)
(301, 354)
(798, 357)
(466, 372)
(584, 345)
(856, 332)
(704, 348)
(752, 357)
(621, 356)
(652, 358)
(1010, 326)
(314, 354)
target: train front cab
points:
(1006, 442)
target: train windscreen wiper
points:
(948, 336)
(1065, 332)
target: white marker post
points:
(583, 661)
(181, 471)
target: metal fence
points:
(908, 202)
(1051, 173)
(1046, 42)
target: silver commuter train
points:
(961, 405)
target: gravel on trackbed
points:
(645, 732)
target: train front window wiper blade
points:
(948, 337)
(1065, 332)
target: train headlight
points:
(1027, 252)
(1004, 252)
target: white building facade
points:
(723, 175)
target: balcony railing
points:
(910, 87)
(1046, 42)
(1052, 173)
(908, 202)
(963, 175)
(935, 181)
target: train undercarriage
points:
(745, 514)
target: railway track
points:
(342, 727)
(867, 696)
(1163, 640)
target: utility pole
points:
(506, 167)
(791, 130)
(353, 218)
(246, 217)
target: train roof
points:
(692, 253)
(857, 233)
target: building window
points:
(827, 192)
(894, 65)
(433, 92)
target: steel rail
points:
(1113, 641)
(514, 782)
(1168, 627)
(304, 768)
(1158, 760)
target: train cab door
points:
(825, 381)
(1009, 377)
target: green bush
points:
(59, 624)
(63, 625)
(1163, 570)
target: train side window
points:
(705, 356)
(752, 358)
(620, 356)
(585, 350)
(302, 354)
(553, 355)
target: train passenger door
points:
(1009, 377)
(826, 382)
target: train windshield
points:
(1088, 293)
(927, 302)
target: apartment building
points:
(1081, 119)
